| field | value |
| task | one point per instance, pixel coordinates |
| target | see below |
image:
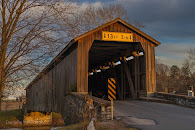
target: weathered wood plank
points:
(122, 81)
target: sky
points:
(171, 22)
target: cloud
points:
(170, 62)
(84, 5)
(95, 4)
(166, 18)
(177, 49)
(67, 7)
(173, 54)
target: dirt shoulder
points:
(108, 125)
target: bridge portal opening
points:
(123, 61)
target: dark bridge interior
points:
(129, 74)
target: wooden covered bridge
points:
(116, 51)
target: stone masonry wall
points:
(75, 107)
(176, 98)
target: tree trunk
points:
(0, 101)
(2, 85)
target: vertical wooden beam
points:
(122, 81)
(149, 69)
(82, 67)
(127, 71)
(138, 71)
(117, 82)
(153, 68)
(149, 49)
(79, 66)
(136, 77)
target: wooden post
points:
(82, 67)
(137, 76)
(135, 63)
(138, 71)
(122, 82)
(129, 80)
(112, 109)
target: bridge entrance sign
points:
(111, 89)
(117, 36)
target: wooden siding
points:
(85, 43)
(47, 93)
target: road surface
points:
(154, 116)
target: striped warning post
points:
(111, 89)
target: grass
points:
(78, 126)
(56, 115)
(112, 125)
(10, 116)
(57, 119)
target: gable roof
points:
(122, 22)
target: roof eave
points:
(155, 42)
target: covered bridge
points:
(114, 50)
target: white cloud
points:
(70, 7)
(85, 5)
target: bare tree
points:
(175, 78)
(191, 59)
(189, 64)
(28, 39)
(92, 17)
(162, 75)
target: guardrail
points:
(177, 99)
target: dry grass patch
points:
(106, 125)
(10, 118)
